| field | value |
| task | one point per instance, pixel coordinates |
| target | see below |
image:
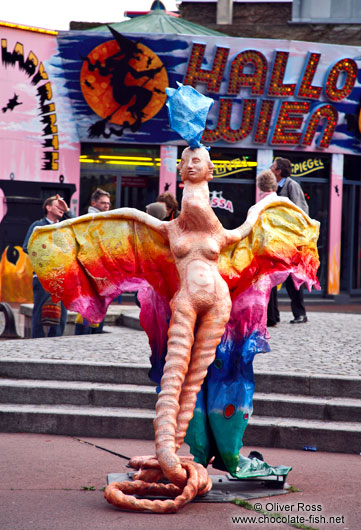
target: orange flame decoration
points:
(334, 271)
(16, 280)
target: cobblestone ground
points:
(328, 344)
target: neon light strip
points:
(138, 161)
(29, 28)
(126, 157)
(125, 163)
(230, 172)
(295, 175)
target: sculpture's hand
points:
(233, 236)
(253, 214)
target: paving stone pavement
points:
(328, 344)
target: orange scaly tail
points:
(180, 341)
(208, 336)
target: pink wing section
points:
(283, 242)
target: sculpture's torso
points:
(196, 239)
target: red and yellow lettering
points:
(346, 67)
(322, 112)
(289, 118)
(213, 78)
(239, 79)
(263, 123)
(276, 87)
(306, 89)
(223, 129)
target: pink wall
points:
(335, 220)
(168, 169)
(38, 138)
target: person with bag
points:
(287, 187)
(267, 184)
(46, 313)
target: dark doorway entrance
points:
(312, 172)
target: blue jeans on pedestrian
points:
(40, 296)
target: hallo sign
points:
(300, 96)
(249, 70)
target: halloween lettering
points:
(281, 113)
(35, 70)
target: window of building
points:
(312, 172)
(129, 173)
(326, 11)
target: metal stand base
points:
(226, 488)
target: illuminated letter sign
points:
(256, 80)
(330, 115)
(347, 69)
(289, 118)
(306, 90)
(276, 87)
(213, 78)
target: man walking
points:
(288, 187)
(55, 210)
(99, 201)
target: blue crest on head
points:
(188, 110)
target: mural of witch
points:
(126, 81)
(12, 103)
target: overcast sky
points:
(57, 15)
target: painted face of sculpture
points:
(195, 165)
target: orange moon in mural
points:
(99, 84)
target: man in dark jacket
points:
(55, 210)
(288, 187)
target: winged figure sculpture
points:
(203, 292)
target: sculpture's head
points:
(195, 165)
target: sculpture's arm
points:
(137, 215)
(128, 214)
(237, 234)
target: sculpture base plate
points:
(226, 488)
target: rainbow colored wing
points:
(283, 241)
(88, 261)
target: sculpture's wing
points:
(88, 261)
(283, 241)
